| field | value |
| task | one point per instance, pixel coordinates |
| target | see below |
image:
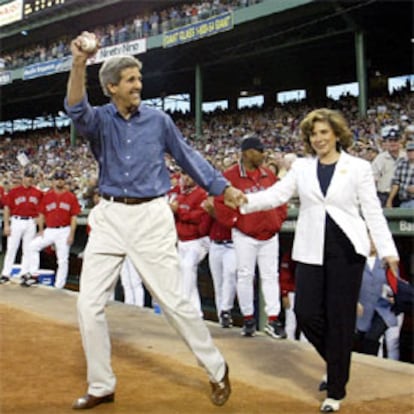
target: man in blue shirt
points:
(133, 218)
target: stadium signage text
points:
(11, 12)
(46, 68)
(63, 64)
(198, 30)
(134, 47)
(406, 226)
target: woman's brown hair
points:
(334, 119)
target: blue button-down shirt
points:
(131, 152)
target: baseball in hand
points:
(88, 44)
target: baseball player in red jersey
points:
(58, 211)
(191, 221)
(21, 208)
(255, 237)
(223, 268)
(288, 287)
(2, 193)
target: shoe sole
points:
(330, 407)
(28, 284)
(248, 334)
(273, 335)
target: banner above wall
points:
(51, 67)
(196, 31)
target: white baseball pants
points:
(266, 254)
(290, 320)
(20, 230)
(191, 253)
(131, 282)
(58, 237)
(222, 262)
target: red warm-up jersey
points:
(261, 225)
(58, 208)
(287, 274)
(23, 201)
(218, 231)
(191, 220)
(2, 196)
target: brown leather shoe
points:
(90, 401)
(220, 391)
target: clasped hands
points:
(234, 198)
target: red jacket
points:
(261, 225)
(191, 220)
(218, 231)
(2, 195)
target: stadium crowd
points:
(222, 131)
(131, 28)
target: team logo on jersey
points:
(64, 206)
(33, 200)
(20, 200)
(51, 206)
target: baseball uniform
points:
(21, 208)
(58, 210)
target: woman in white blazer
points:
(338, 201)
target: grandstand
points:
(264, 48)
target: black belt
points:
(223, 241)
(57, 227)
(129, 200)
(22, 217)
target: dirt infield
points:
(42, 371)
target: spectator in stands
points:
(403, 180)
(138, 27)
(384, 164)
(371, 152)
(331, 240)
(133, 217)
(155, 22)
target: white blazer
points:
(351, 201)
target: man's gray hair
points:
(110, 71)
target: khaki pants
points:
(146, 234)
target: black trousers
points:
(325, 305)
